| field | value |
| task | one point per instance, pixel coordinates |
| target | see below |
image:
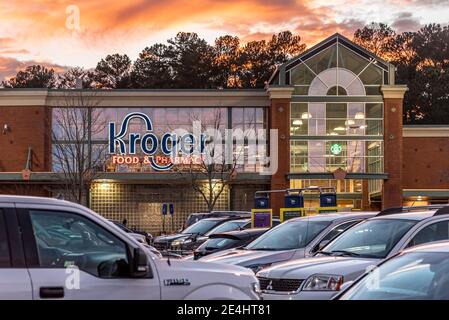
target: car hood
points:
(247, 258)
(349, 267)
(138, 237)
(203, 272)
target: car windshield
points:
(370, 239)
(201, 227)
(415, 275)
(193, 218)
(218, 243)
(289, 235)
(227, 226)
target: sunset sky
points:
(47, 32)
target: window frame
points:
(31, 250)
(332, 228)
(4, 236)
(420, 228)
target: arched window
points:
(337, 91)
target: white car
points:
(54, 249)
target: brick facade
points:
(393, 146)
(28, 127)
(426, 163)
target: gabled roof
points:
(323, 45)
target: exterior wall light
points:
(6, 128)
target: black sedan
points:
(191, 237)
(227, 240)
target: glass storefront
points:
(91, 127)
(82, 133)
(336, 118)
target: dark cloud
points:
(405, 21)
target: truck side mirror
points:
(140, 267)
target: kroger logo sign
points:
(182, 147)
(149, 144)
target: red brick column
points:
(279, 118)
(393, 145)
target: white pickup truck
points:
(54, 249)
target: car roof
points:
(338, 216)
(416, 216)
(243, 219)
(224, 213)
(224, 218)
(38, 200)
(440, 246)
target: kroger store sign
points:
(158, 153)
(183, 147)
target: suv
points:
(418, 273)
(360, 248)
(191, 237)
(54, 249)
(293, 239)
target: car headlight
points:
(177, 243)
(255, 286)
(257, 267)
(323, 282)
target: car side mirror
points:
(140, 267)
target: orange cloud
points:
(41, 29)
(10, 66)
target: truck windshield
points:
(370, 239)
(289, 235)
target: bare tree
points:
(209, 173)
(75, 122)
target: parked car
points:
(141, 236)
(293, 239)
(227, 240)
(239, 224)
(191, 237)
(103, 261)
(195, 217)
(360, 248)
(419, 273)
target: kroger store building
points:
(337, 109)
